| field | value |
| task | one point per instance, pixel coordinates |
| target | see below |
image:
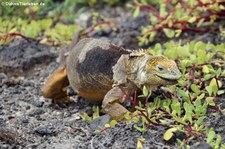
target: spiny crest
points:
(139, 52)
(158, 59)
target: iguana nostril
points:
(173, 72)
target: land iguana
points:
(97, 70)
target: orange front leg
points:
(55, 86)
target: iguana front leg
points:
(111, 104)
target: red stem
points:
(192, 132)
(149, 121)
(217, 83)
(127, 96)
(147, 7)
(215, 108)
(146, 106)
(16, 34)
(135, 98)
(175, 22)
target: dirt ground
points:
(27, 120)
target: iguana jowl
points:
(95, 69)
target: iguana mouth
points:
(167, 79)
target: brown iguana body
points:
(95, 68)
(92, 63)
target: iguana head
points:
(159, 70)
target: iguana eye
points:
(159, 68)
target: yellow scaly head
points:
(161, 71)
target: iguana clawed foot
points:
(111, 104)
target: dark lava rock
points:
(126, 136)
(99, 122)
(127, 32)
(202, 145)
(115, 137)
(22, 55)
(48, 129)
(217, 122)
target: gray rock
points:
(99, 122)
(202, 145)
(21, 56)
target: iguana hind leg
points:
(111, 104)
(55, 86)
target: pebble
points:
(47, 129)
(2, 76)
(36, 112)
(37, 103)
(25, 120)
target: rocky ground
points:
(27, 120)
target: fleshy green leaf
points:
(169, 33)
(169, 133)
(136, 12)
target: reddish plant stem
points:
(32, 14)
(192, 72)
(149, 121)
(104, 129)
(16, 34)
(134, 104)
(173, 27)
(13, 35)
(215, 108)
(187, 140)
(192, 132)
(147, 7)
(127, 96)
(135, 98)
(142, 113)
(146, 106)
(217, 83)
(172, 116)
(184, 26)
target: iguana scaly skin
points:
(97, 69)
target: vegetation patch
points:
(176, 16)
(182, 108)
